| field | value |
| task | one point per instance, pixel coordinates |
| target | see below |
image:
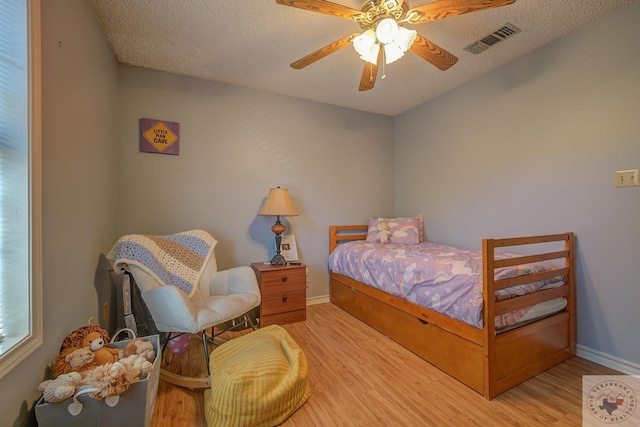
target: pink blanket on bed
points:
(439, 277)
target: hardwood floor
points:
(358, 377)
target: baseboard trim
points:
(318, 300)
(604, 359)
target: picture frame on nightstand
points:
(288, 248)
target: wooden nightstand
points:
(284, 293)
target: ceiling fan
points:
(384, 37)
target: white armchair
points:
(222, 296)
(217, 297)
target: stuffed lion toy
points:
(76, 338)
(110, 379)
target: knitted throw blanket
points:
(178, 259)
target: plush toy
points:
(383, 232)
(139, 347)
(73, 359)
(61, 388)
(76, 338)
(138, 366)
(84, 363)
(100, 382)
(101, 354)
(178, 342)
(110, 379)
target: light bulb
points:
(405, 38)
(366, 46)
(392, 52)
(387, 30)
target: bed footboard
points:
(522, 353)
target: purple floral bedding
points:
(439, 277)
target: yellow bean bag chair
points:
(259, 379)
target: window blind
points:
(15, 288)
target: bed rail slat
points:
(530, 240)
(489, 313)
(345, 233)
(533, 298)
(529, 278)
(349, 237)
(530, 259)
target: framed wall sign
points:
(159, 136)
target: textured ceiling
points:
(250, 43)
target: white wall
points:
(237, 143)
(532, 148)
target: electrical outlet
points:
(627, 178)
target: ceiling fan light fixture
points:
(392, 52)
(397, 48)
(405, 38)
(387, 30)
(382, 24)
(367, 46)
(372, 56)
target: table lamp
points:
(278, 203)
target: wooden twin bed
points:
(486, 361)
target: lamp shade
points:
(387, 30)
(395, 50)
(405, 38)
(278, 202)
(366, 46)
(392, 52)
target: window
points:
(20, 242)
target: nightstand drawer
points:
(280, 302)
(284, 280)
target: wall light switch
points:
(627, 178)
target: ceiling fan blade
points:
(447, 8)
(323, 6)
(433, 53)
(369, 74)
(321, 53)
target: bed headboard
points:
(346, 233)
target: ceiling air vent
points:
(507, 30)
